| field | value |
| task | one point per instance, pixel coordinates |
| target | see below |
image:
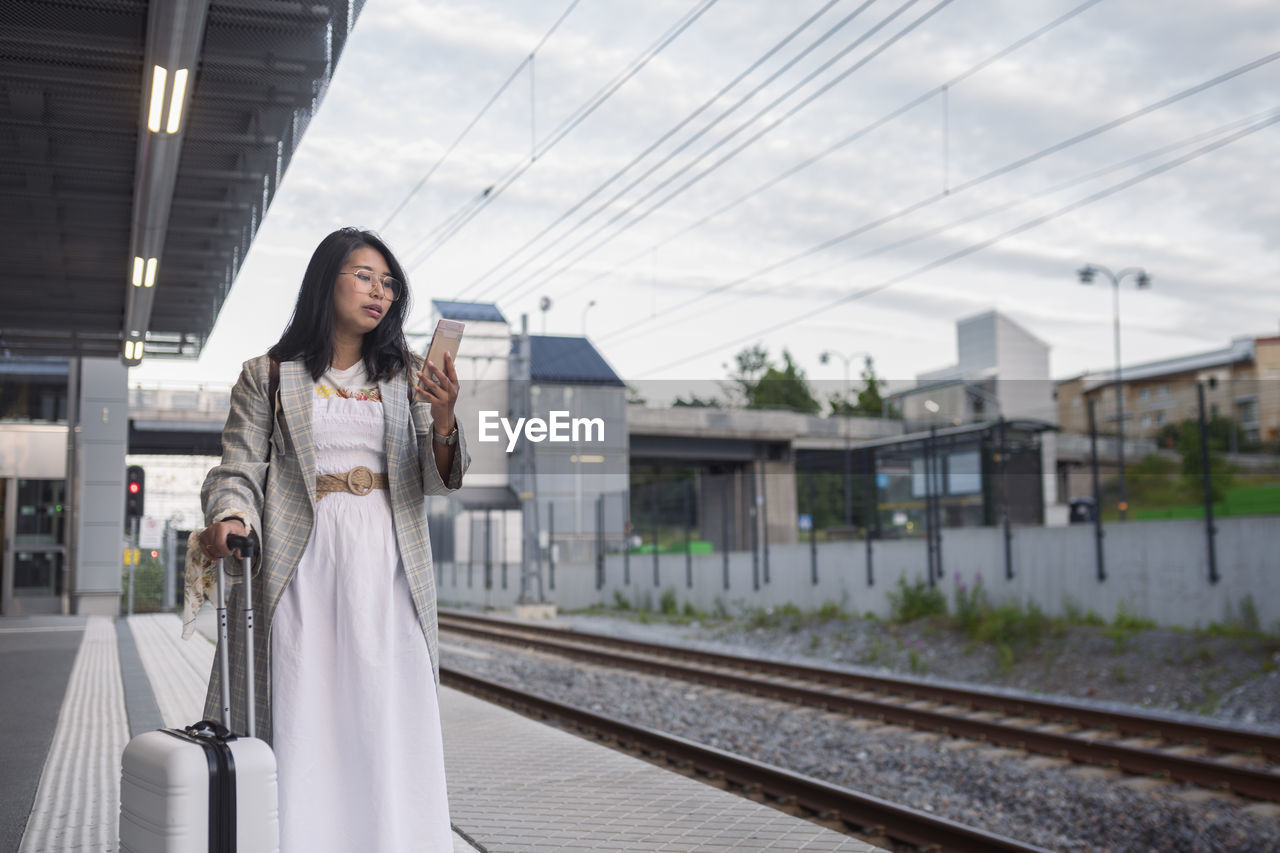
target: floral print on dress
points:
(328, 392)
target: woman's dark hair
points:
(309, 335)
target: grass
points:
(1241, 500)
(1125, 626)
(909, 602)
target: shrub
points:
(1124, 626)
(915, 601)
(667, 602)
(970, 606)
(620, 600)
(1013, 626)
(830, 610)
(148, 587)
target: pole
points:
(688, 533)
(764, 518)
(873, 511)
(599, 541)
(626, 533)
(813, 532)
(1207, 480)
(1124, 493)
(551, 544)
(1004, 501)
(928, 502)
(653, 506)
(724, 526)
(937, 508)
(133, 557)
(754, 515)
(1097, 493)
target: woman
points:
(331, 474)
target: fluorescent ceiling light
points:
(158, 79)
(133, 350)
(175, 100)
(151, 273)
(137, 272)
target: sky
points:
(940, 165)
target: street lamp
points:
(590, 305)
(825, 356)
(1140, 277)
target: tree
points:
(868, 403)
(696, 402)
(1220, 472)
(786, 389)
(757, 383)
(751, 363)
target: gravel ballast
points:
(1035, 799)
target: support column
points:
(100, 439)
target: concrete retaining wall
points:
(1156, 569)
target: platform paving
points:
(75, 689)
(520, 785)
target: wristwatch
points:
(449, 439)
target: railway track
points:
(872, 818)
(1202, 754)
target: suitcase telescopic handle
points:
(247, 547)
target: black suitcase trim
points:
(213, 739)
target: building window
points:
(1159, 418)
(1164, 391)
(1146, 421)
(1144, 394)
(1213, 382)
(964, 473)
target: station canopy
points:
(140, 146)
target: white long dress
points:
(355, 715)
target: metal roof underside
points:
(74, 76)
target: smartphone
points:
(446, 338)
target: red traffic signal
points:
(134, 493)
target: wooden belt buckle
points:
(360, 481)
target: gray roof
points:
(88, 186)
(1241, 349)
(469, 312)
(569, 361)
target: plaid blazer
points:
(275, 493)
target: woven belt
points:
(357, 481)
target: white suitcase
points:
(201, 788)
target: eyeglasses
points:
(366, 279)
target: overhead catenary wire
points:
(566, 127)
(847, 140)
(962, 187)
(732, 134)
(769, 54)
(1220, 131)
(978, 246)
(751, 140)
(466, 130)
